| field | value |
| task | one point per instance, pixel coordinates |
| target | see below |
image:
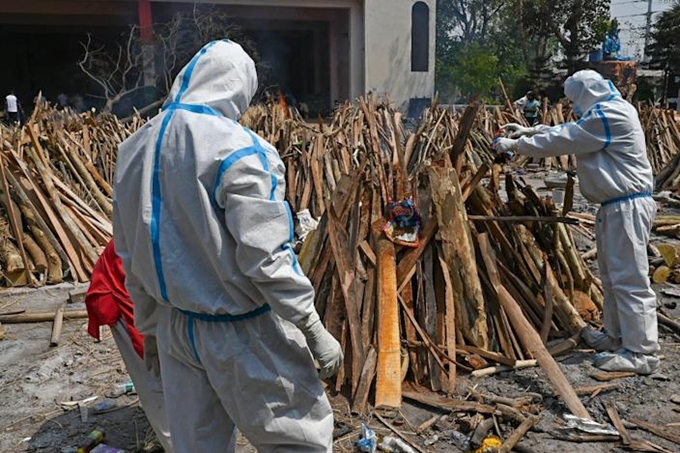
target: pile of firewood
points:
(663, 144)
(665, 266)
(58, 172)
(490, 282)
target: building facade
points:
(329, 50)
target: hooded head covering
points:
(221, 75)
(586, 88)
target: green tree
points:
(665, 48)
(475, 69)
(476, 45)
(578, 25)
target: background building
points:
(327, 50)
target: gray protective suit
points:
(203, 231)
(613, 171)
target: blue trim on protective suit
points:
(226, 317)
(156, 203)
(192, 337)
(156, 196)
(192, 317)
(186, 77)
(230, 160)
(605, 123)
(263, 158)
(194, 108)
(627, 197)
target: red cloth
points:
(107, 300)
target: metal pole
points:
(648, 29)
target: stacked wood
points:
(662, 135)
(447, 310)
(666, 267)
(55, 194)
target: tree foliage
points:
(526, 37)
(578, 25)
(474, 47)
(665, 47)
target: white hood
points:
(586, 88)
(221, 76)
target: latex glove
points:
(504, 145)
(151, 361)
(517, 130)
(325, 348)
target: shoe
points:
(600, 341)
(625, 360)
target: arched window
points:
(420, 37)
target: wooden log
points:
(656, 430)
(360, 399)
(14, 221)
(526, 218)
(589, 390)
(450, 323)
(35, 252)
(661, 274)
(41, 233)
(517, 434)
(605, 377)
(616, 421)
(464, 128)
(519, 364)
(57, 325)
(529, 337)
(447, 404)
(459, 255)
(41, 316)
(565, 311)
(388, 379)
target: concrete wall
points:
(388, 51)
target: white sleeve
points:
(590, 134)
(262, 227)
(145, 307)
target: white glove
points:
(151, 361)
(325, 348)
(517, 131)
(504, 145)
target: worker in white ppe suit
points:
(613, 171)
(203, 232)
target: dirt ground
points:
(41, 386)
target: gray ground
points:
(36, 380)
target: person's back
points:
(190, 257)
(612, 159)
(12, 104)
(614, 171)
(204, 232)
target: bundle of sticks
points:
(55, 194)
(490, 281)
(662, 135)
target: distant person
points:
(12, 106)
(108, 304)
(613, 171)
(40, 100)
(62, 101)
(529, 106)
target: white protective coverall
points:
(203, 231)
(613, 171)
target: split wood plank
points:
(529, 337)
(388, 379)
